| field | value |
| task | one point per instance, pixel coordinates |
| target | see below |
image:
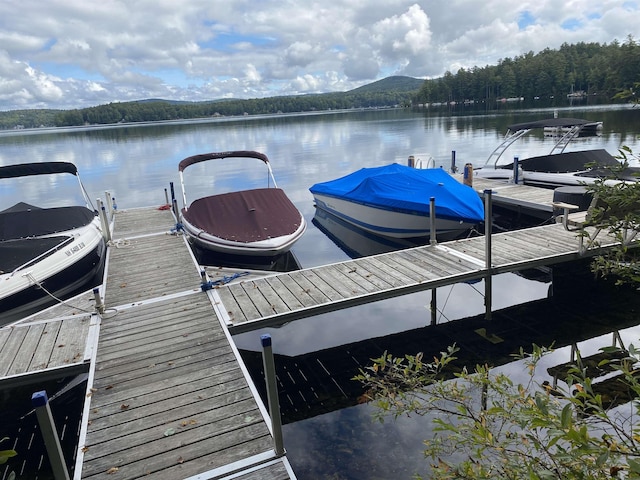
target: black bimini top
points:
(213, 156)
(38, 168)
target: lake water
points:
(329, 436)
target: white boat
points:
(558, 168)
(45, 252)
(395, 201)
(254, 221)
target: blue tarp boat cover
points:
(401, 188)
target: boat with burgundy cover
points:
(251, 221)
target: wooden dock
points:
(169, 397)
(168, 394)
(281, 298)
(46, 349)
(525, 199)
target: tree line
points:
(595, 69)
(589, 68)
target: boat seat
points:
(579, 221)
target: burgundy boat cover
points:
(246, 216)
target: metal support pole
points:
(99, 304)
(516, 174)
(166, 197)
(107, 196)
(454, 169)
(488, 215)
(432, 221)
(45, 419)
(175, 210)
(104, 221)
(107, 229)
(434, 307)
(272, 393)
(173, 192)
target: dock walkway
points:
(274, 300)
(169, 398)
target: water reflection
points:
(356, 242)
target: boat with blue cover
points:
(395, 201)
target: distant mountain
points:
(396, 83)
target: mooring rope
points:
(66, 303)
(59, 300)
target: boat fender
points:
(468, 174)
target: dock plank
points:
(29, 345)
(141, 221)
(280, 288)
(43, 348)
(11, 348)
(152, 278)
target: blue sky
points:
(77, 53)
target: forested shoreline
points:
(609, 71)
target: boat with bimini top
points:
(47, 251)
(251, 221)
(558, 168)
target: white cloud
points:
(74, 53)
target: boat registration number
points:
(74, 249)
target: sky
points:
(65, 54)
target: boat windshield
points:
(43, 191)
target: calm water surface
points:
(136, 163)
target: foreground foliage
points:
(487, 427)
(618, 214)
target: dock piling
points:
(45, 419)
(432, 221)
(488, 215)
(99, 304)
(272, 393)
(104, 221)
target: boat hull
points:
(390, 223)
(548, 180)
(264, 248)
(255, 222)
